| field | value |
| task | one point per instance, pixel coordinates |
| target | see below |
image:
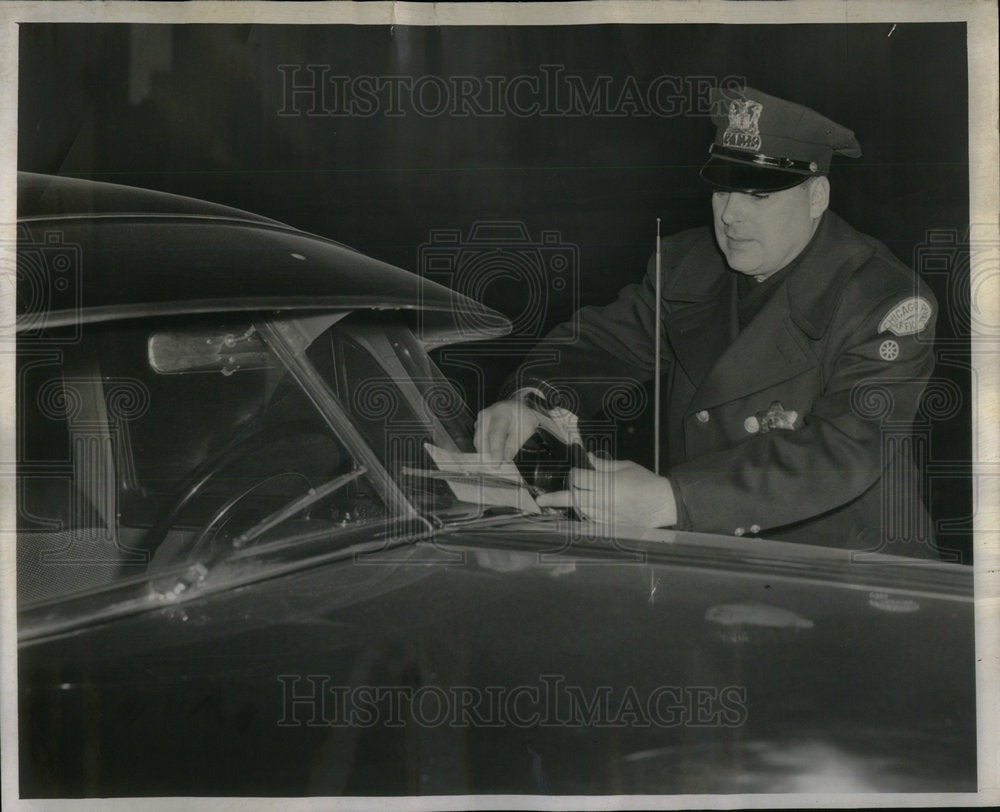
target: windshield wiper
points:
(173, 585)
(296, 506)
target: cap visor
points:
(733, 176)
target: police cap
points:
(765, 144)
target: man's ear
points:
(819, 196)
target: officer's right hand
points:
(501, 429)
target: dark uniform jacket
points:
(795, 427)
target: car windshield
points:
(148, 443)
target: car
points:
(244, 566)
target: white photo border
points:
(984, 185)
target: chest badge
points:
(774, 417)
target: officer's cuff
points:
(683, 516)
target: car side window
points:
(46, 500)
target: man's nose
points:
(732, 210)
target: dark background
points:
(195, 110)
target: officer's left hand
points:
(617, 492)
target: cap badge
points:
(908, 317)
(743, 131)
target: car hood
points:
(834, 674)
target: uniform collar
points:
(702, 270)
(814, 286)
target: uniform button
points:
(739, 531)
(702, 416)
(755, 528)
(751, 424)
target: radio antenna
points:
(656, 362)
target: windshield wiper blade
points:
(296, 506)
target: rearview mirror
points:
(216, 349)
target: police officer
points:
(793, 349)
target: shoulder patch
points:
(908, 317)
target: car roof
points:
(91, 251)
(47, 196)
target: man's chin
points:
(743, 266)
